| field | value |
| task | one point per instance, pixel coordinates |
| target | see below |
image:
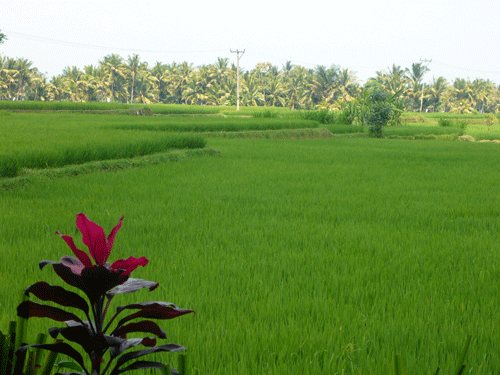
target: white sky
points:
(461, 37)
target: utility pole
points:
(238, 76)
(422, 96)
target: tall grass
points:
(99, 106)
(298, 256)
(53, 140)
(217, 124)
(59, 106)
(104, 150)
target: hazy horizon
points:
(364, 37)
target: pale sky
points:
(462, 38)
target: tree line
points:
(131, 80)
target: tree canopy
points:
(134, 81)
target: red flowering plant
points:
(100, 282)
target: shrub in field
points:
(379, 113)
(100, 282)
(490, 119)
(445, 122)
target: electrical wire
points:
(93, 46)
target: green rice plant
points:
(416, 130)
(266, 114)
(41, 140)
(183, 109)
(322, 116)
(212, 124)
(282, 112)
(346, 129)
(486, 136)
(59, 106)
(299, 256)
(11, 164)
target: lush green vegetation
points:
(129, 80)
(298, 255)
(213, 124)
(52, 140)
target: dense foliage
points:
(133, 81)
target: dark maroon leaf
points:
(145, 305)
(86, 324)
(94, 281)
(59, 347)
(119, 345)
(98, 280)
(132, 355)
(146, 326)
(143, 365)
(57, 294)
(29, 309)
(81, 335)
(152, 310)
(132, 285)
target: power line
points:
(93, 46)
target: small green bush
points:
(445, 122)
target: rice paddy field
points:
(299, 256)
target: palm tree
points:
(251, 90)
(326, 84)
(22, 76)
(73, 80)
(7, 72)
(437, 91)
(132, 66)
(479, 90)
(294, 86)
(55, 89)
(416, 76)
(181, 74)
(347, 84)
(274, 92)
(220, 72)
(394, 80)
(115, 70)
(3, 37)
(37, 86)
(160, 80)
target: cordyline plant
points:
(100, 282)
